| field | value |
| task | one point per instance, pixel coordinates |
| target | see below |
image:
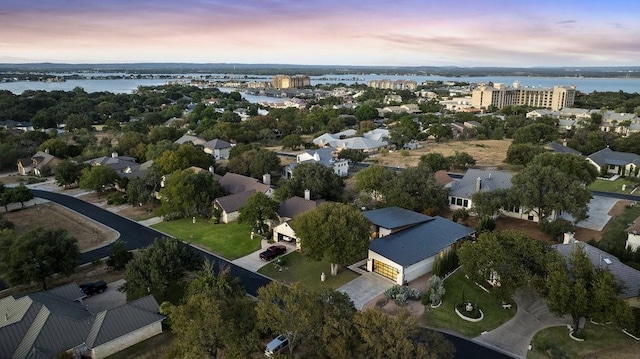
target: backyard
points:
(601, 341)
(231, 240)
(458, 286)
(297, 268)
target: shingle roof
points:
(216, 144)
(233, 202)
(442, 177)
(489, 181)
(189, 138)
(630, 277)
(235, 183)
(395, 217)
(422, 241)
(556, 147)
(296, 205)
(608, 156)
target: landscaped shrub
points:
(414, 294)
(401, 294)
(116, 199)
(391, 292)
(446, 263)
(436, 289)
(485, 224)
(460, 215)
(555, 228)
(401, 298)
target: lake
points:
(584, 84)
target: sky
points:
(514, 33)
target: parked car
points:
(94, 287)
(273, 251)
(277, 345)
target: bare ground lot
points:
(50, 215)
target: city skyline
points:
(371, 33)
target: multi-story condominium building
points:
(286, 81)
(500, 95)
(393, 84)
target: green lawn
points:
(607, 341)
(445, 316)
(298, 268)
(231, 240)
(613, 186)
(615, 236)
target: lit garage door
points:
(385, 270)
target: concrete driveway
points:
(109, 299)
(515, 335)
(253, 262)
(365, 288)
(599, 208)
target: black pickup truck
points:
(94, 287)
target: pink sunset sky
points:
(330, 32)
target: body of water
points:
(583, 84)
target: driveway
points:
(365, 288)
(109, 299)
(599, 208)
(253, 262)
(515, 335)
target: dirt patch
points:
(488, 153)
(50, 215)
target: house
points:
(629, 277)
(477, 180)
(565, 125)
(369, 142)
(537, 113)
(613, 162)
(633, 235)
(37, 164)
(325, 156)
(190, 138)
(235, 183)
(406, 243)
(230, 205)
(45, 324)
(218, 148)
(288, 210)
(561, 148)
(443, 178)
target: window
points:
(453, 200)
(465, 203)
(459, 201)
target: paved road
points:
(136, 236)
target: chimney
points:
(564, 142)
(266, 179)
(211, 169)
(478, 184)
(568, 238)
(307, 195)
(46, 150)
(114, 154)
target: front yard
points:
(231, 240)
(601, 341)
(298, 268)
(613, 186)
(445, 316)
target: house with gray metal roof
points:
(326, 156)
(614, 162)
(44, 324)
(627, 276)
(479, 180)
(406, 243)
(217, 148)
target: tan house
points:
(37, 164)
(287, 212)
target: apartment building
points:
(500, 95)
(393, 84)
(286, 81)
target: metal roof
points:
(114, 323)
(489, 181)
(395, 217)
(608, 156)
(420, 242)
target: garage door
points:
(385, 270)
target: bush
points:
(401, 294)
(446, 263)
(116, 199)
(486, 224)
(555, 228)
(401, 298)
(414, 294)
(460, 215)
(404, 153)
(436, 289)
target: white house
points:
(620, 163)
(219, 149)
(406, 243)
(288, 210)
(325, 156)
(633, 235)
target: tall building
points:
(393, 84)
(286, 81)
(500, 95)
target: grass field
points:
(613, 186)
(298, 268)
(445, 316)
(601, 341)
(231, 240)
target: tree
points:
(37, 255)
(436, 289)
(545, 190)
(352, 155)
(439, 131)
(187, 193)
(373, 180)
(292, 141)
(21, 194)
(435, 162)
(165, 260)
(462, 160)
(137, 191)
(491, 203)
(255, 163)
(366, 112)
(581, 290)
(510, 258)
(215, 315)
(187, 155)
(97, 178)
(535, 133)
(335, 230)
(320, 180)
(258, 208)
(573, 165)
(119, 256)
(416, 189)
(68, 172)
(522, 153)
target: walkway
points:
(515, 335)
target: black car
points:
(273, 252)
(94, 287)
